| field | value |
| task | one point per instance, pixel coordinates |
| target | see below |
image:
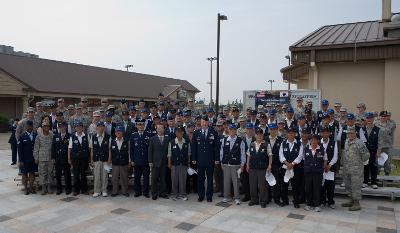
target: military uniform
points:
(139, 144)
(205, 151)
(42, 155)
(26, 160)
(355, 154)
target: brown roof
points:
(62, 77)
(345, 35)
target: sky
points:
(173, 38)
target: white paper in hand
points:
(382, 159)
(288, 175)
(329, 175)
(239, 171)
(107, 167)
(191, 171)
(270, 179)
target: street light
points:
(271, 81)
(288, 57)
(211, 59)
(220, 18)
(127, 67)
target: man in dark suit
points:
(13, 141)
(128, 125)
(205, 153)
(158, 150)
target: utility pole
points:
(220, 17)
(211, 59)
(271, 81)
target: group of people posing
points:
(250, 157)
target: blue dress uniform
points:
(313, 170)
(26, 143)
(139, 144)
(276, 168)
(372, 145)
(205, 151)
(60, 155)
(80, 162)
(13, 143)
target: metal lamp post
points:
(220, 17)
(211, 59)
(271, 81)
(288, 57)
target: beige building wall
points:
(392, 93)
(353, 83)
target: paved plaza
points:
(51, 213)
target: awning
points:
(294, 71)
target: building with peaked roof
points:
(352, 63)
(24, 78)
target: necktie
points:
(161, 139)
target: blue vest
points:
(259, 159)
(314, 164)
(330, 151)
(275, 150)
(100, 151)
(290, 156)
(120, 157)
(231, 157)
(139, 148)
(179, 156)
(79, 151)
(60, 147)
(372, 139)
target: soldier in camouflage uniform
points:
(79, 117)
(337, 107)
(21, 127)
(299, 110)
(241, 131)
(360, 116)
(355, 154)
(39, 114)
(69, 113)
(386, 141)
(42, 154)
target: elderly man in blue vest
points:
(205, 153)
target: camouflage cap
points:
(351, 129)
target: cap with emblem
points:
(259, 131)
(361, 105)
(180, 129)
(144, 110)
(232, 126)
(242, 118)
(29, 122)
(96, 113)
(78, 123)
(119, 128)
(324, 102)
(262, 115)
(140, 121)
(100, 123)
(343, 109)
(350, 116)
(156, 117)
(383, 113)
(249, 125)
(369, 115)
(289, 110)
(272, 126)
(30, 109)
(330, 111)
(160, 94)
(281, 121)
(220, 123)
(78, 106)
(39, 104)
(70, 107)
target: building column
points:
(313, 77)
(25, 103)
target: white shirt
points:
(79, 139)
(335, 152)
(291, 144)
(119, 142)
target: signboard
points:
(272, 97)
(250, 98)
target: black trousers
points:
(139, 171)
(63, 168)
(14, 147)
(158, 185)
(297, 183)
(371, 170)
(245, 181)
(79, 169)
(277, 189)
(191, 181)
(313, 188)
(168, 181)
(327, 192)
(219, 179)
(202, 172)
